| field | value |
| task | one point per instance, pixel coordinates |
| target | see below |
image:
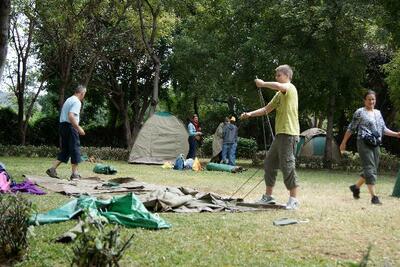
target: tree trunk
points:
(5, 8)
(329, 133)
(127, 128)
(20, 100)
(154, 102)
(196, 105)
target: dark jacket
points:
(230, 133)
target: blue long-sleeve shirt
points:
(191, 129)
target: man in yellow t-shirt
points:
(281, 154)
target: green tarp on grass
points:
(126, 210)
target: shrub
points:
(14, 222)
(101, 136)
(246, 147)
(104, 153)
(98, 247)
(45, 131)
(9, 127)
(348, 162)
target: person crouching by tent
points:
(230, 134)
(192, 139)
(218, 141)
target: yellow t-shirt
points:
(287, 117)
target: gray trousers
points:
(281, 155)
(369, 160)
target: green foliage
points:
(101, 153)
(349, 162)
(98, 246)
(246, 147)
(44, 131)
(15, 211)
(106, 153)
(8, 133)
(392, 70)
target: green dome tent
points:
(162, 138)
(312, 144)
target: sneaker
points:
(375, 200)
(265, 199)
(75, 177)
(293, 204)
(355, 190)
(52, 173)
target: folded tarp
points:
(126, 210)
(104, 169)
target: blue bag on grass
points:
(179, 162)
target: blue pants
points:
(229, 150)
(192, 148)
(70, 144)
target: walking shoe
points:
(75, 177)
(52, 173)
(292, 204)
(355, 190)
(375, 200)
(265, 199)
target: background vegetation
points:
(140, 56)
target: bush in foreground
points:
(15, 211)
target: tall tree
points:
(63, 28)
(22, 73)
(5, 9)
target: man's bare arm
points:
(283, 87)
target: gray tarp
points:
(218, 140)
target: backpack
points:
(179, 163)
(5, 182)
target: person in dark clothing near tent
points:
(192, 139)
(230, 134)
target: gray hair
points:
(80, 89)
(285, 69)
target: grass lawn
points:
(339, 231)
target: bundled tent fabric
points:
(312, 144)
(217, 143)
(223, 167)
(161, 139)
(104, 169)
(156, 198)
(126, 210)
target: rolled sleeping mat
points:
(222, 167)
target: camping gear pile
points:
(187, 164)
(7, 185)
(155, 198)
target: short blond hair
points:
(285, 69)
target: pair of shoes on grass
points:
(292, 204)
(53, 174)
(356, 195)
